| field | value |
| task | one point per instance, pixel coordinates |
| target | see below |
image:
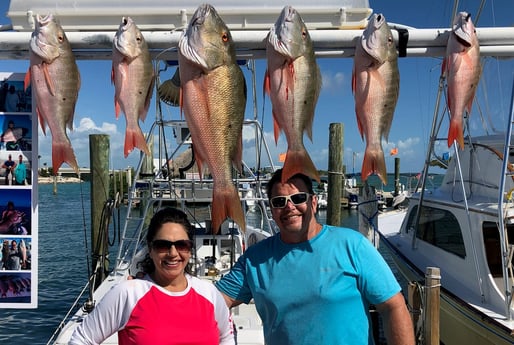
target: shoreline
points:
(60, 179)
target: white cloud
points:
(333, 81)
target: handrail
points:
(506, 266)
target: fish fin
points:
(226, 203)
(117, 108)
(41, 121)
(48, 79)
(354, 81)
(444, 66)
(266, 86)
(276, 128)
(62, 152)
(298, 161)
(374, 163)
(26, 80)
(135, 138)
(456, 133)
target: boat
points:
(213, 254)
(465, 228)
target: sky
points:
(419, 77)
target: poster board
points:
(18, 194)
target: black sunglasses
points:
(162, 246)
(297, 199)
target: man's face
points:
(294, 219)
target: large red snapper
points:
(133, 78)
(376, 86)
(462, 69)
(213, 101)
(293, 82)
(55, 78)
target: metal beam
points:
(331, 43)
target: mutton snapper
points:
(133, 79)
(376, 86)
(462, 69)
(213, 101)
(55, 78)
(293, 82)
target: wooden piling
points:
(335, 173)
(396, 176)
(432, 293)
(99, 162)
(414, 302)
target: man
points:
(20, 172)
(313, 283)
(9, 165)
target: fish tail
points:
(299, 162)
(455, 133)
(62, 152)
(374, 163)
(226, 203)
(135, 138)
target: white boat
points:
(213, 255)
(465, 228)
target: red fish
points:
(133, 78)
(293, 82)
(55, 77)
(376, 86)
(462, 69)
(213, 101)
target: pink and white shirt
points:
(144, 313)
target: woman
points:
(169, 305)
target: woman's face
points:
(170, 260)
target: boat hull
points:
(460, 323)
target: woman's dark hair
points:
(277, 178)
(163, 216)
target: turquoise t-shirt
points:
(315, 292)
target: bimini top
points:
(99, 15)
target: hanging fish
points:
(293, 82)
(55, 77)
(376, 86)
(214, 101)
(133, 78)
(462, 69)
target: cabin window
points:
(438, 227)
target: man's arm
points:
(231, 302)
(397, 322)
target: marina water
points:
(63, 268)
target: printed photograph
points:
(16, 216)
(15, 287)
(13, 97)
(15, 254)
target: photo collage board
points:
(18, 194)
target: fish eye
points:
(304, 33)
(60, 38)
(224, 37)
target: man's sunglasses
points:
(163, 246)
(297, 199)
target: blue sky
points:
(412, 120)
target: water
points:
(62, 262)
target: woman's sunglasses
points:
(163, 246)
(297, 199)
